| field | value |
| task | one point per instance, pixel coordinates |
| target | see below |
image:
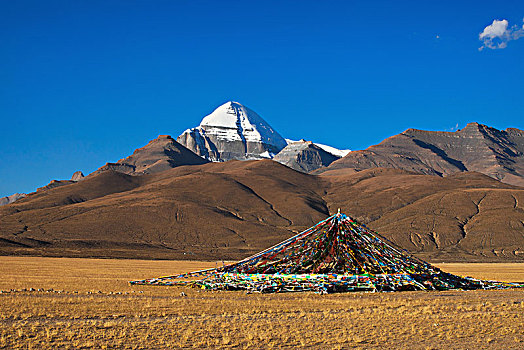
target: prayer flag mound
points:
(336, 255)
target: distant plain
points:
(87, 303)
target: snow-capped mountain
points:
(233, 131)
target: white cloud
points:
(498, 34)
(496, 29)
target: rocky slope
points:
(304, 156)
(496, 153)
(77, 176)
(230, 210)
(11, 199)
(233, 131)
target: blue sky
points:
(87, 82)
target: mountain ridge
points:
(477, 147)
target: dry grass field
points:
(87, 303)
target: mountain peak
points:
(307, 156)
(77, 176)
(473, 126)
(304, 157)
(244, 122)
(233, 131)
(158, 155)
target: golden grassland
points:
(87, 303)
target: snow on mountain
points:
(234, 121)
(334, 151)
(233, 131)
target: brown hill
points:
(467, 216)
(229, 210)
(496, 153)
(215, 210)
(160, 154)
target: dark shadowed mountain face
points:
(160, 154)
(304, 156)
(232, 209)
(499, 154)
